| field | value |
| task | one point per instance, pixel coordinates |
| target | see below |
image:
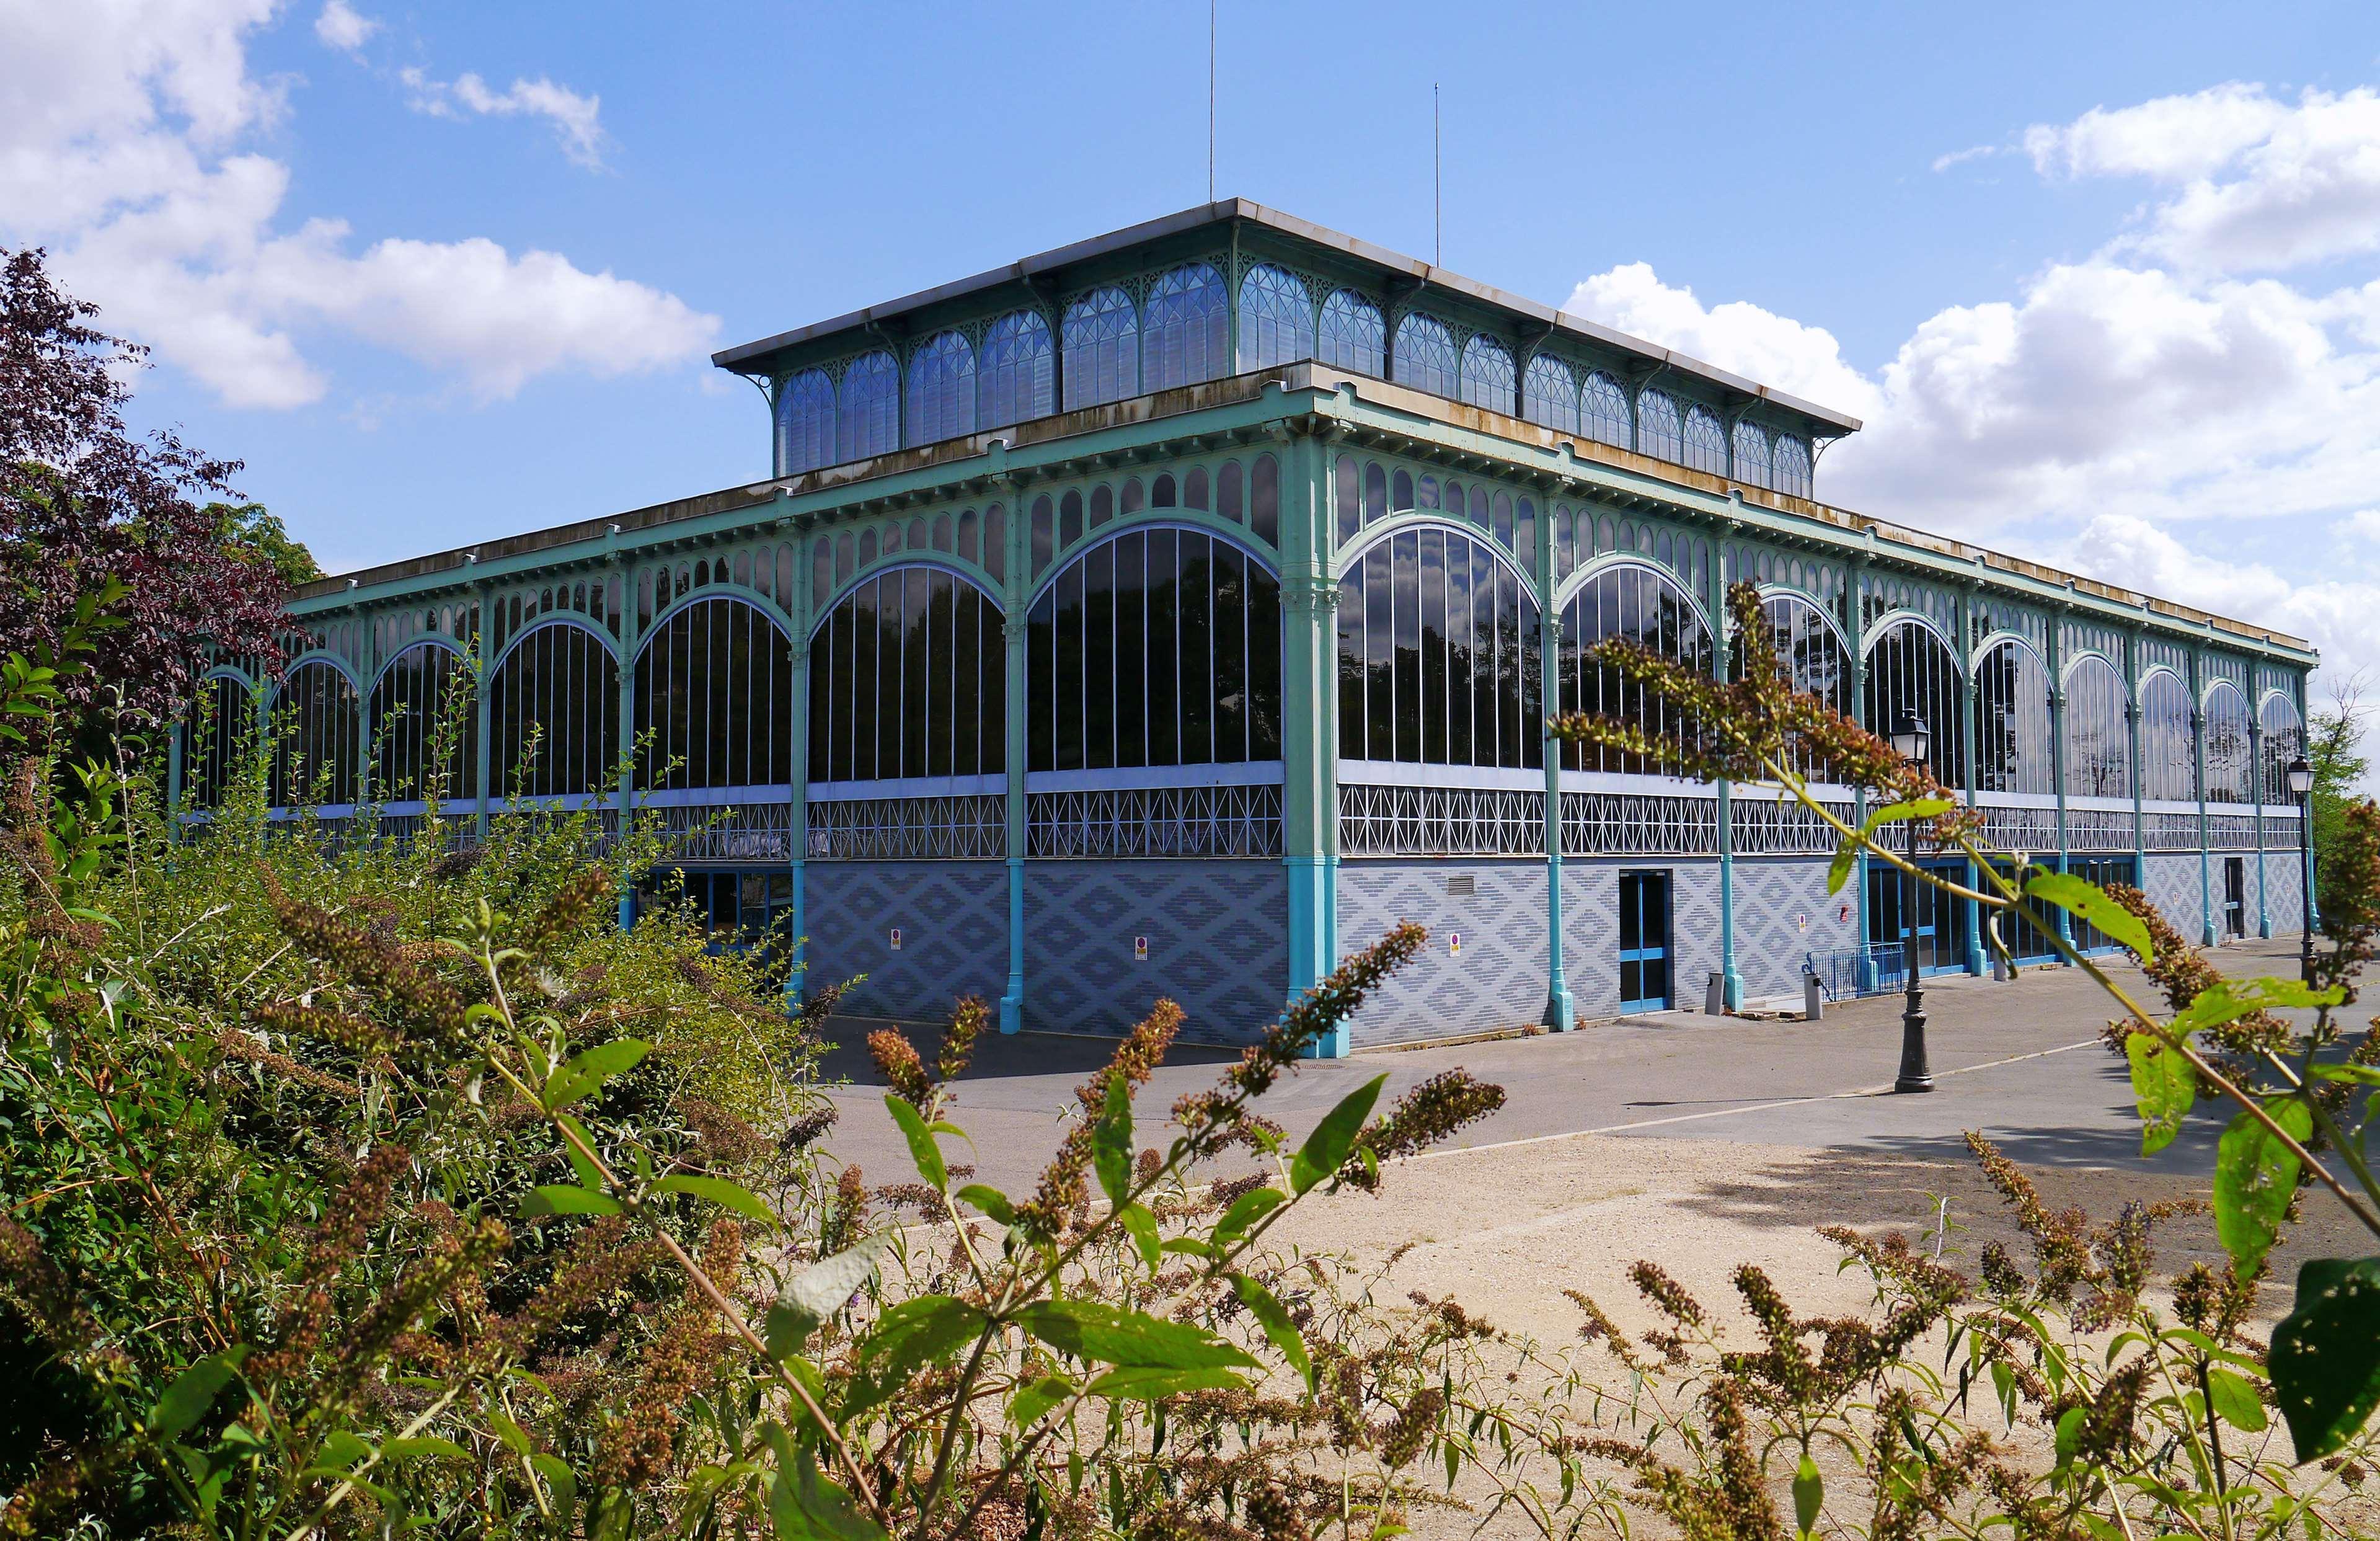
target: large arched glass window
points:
(1102, 336)
(1910, 667)
(1752, 455)
(1810, 654)
(222, 734)
(908, 678)
(1789, 469)
(1184, 330)
(2284, 742)
(1706, 441)
(554, 714)
(2013, 746)
(423, 700)
(714, 700)
(2098, 730)
(1657, 433)
(1645, 606)
(941, 389)
(2169, 753)
(1012, 376)
(867, 410)
(1352, 336)
(1157, 647)
(2230, 752)
(1550, 393)
(316, 734)
(1487, 374)
(806, 423)
(1276, 318)
(1603, 410)
(1439, 655)
(1425, 358)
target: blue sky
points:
(439, 272)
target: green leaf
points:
(592, 1069)
(562, 1198)
(1143, 1225)
(1271, 1314)
(516, 1437)
(2087, 901)
(1245, 1211)
(922, 1149)
(2069, 1434)
(194, 1392)
(1108, 1335)
(588, 1174)
(2235, 1400)
(558, 1476)
(992, 1201)
(924, 1330)
(340, 1450)
(1032, 1404)
(1809, 1493)
(1847, 853)
(2165, 1087)
(1326, 1149)
(2255, 1175)
(421, 1445)
(721, 1191)
(804, 1506)
(2326, 1358)
(821, 1290)
(1149, 1382)
(2229, 999)
(1111, 1140)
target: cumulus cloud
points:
(575, 118)
(1737, 336)
(342, 27)
(128, 144)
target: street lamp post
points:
(2301, 787)
(1912, 742)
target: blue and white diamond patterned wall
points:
(1217, 944)
(1773, 899)
(1497, 980)
(953, 917)
(2173, 884)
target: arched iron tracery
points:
(868, 408)
(1644, 605)
(1012, 376)
(714, 694)
(1911, 667)
(908, 678)
(2098, 730)
(317, 735)
(1440, 660)
(2230, 756)
(2284, 742)
(558, 689)
(1185, 329)
(2013, 752)
(1102, 352)
(424, 696)
(1353, 336)
(2168, 755)
(1276, 318)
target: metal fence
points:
(1846, 973)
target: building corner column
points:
(630, 642)
(799, 606)
(1013, 632)
(483, 682)
(1722, 665)
(1971, 710)
(2257, 757)
(2198, 773)
(1309, 738)
(2057, 639)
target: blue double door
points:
(1941, 939)
(1645, 941)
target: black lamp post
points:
(1912, 742)
(2301, 787)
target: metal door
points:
(1643, 941)
(2235, 895)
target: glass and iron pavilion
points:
(1171, 613)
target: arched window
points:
(317, 731)
(806, 423)
(423, 700)
(1352, 337)
(1102, 334)
(1658, 433)
(2284, 742)
(2012, 749)
(1645, 606)
(1751, 455)
(1013, 374)
(2098, 730)
(1706, 441)
(1276, 318)
(714, 700)
(2168, 758)
(941, 389)
(1810, 656)
(1185, 329)
(1487, 374)
(1910, 667)
(1603, 411)
(1440, 659)
(221, 736)
(554, 714)
(908, 678)
(2230, 757)
(1155, 648)
(868, 413)
(1425, 358)
(1791, 469)
(1549, 395)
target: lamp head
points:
(2301, 777)
(1911, 738)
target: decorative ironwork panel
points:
(2170, 831)
(741, 832)
(1440, 821)
(2030, 829)
(1635, 824)
(2280, 833)
(2098, 829)
(1765, 826)
(2230, 832)
(1154, 821)
(909, 828)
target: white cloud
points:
(130, 142)
(577, 124)
(2171, 139)
(342, 27)
(1960, 157)
(1759, 344)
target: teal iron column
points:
(2198, 764)
(174, 780)
(1309, 748)
(1856, 584)
(626, 794)
(2312, 861)
(797, 812)
(1560, 1012)
(2256, 758)
(1722, 663)
(481, 684)
(2055, 637)
(1970, 709)
(1014, 591)
(2133, 747)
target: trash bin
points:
(1715, 997)
(1813, 1000)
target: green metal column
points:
(626, 796)
(174, 778)
(480, 685)
(2198, 761)
(1855, 634)
(1560, 1011)
(1971, 708)
(2312, 861)
(2257, 757)
(1309, 741)
(1014, 591)
(2055, 637)
(798, 606)
(1722, 662)
(2132, 736)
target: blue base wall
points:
(1773, 894)
(2171, 881)
(1217, 944)
(2284, 896)
(954, 922)
(1499, 978)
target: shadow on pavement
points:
(997, 1057)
